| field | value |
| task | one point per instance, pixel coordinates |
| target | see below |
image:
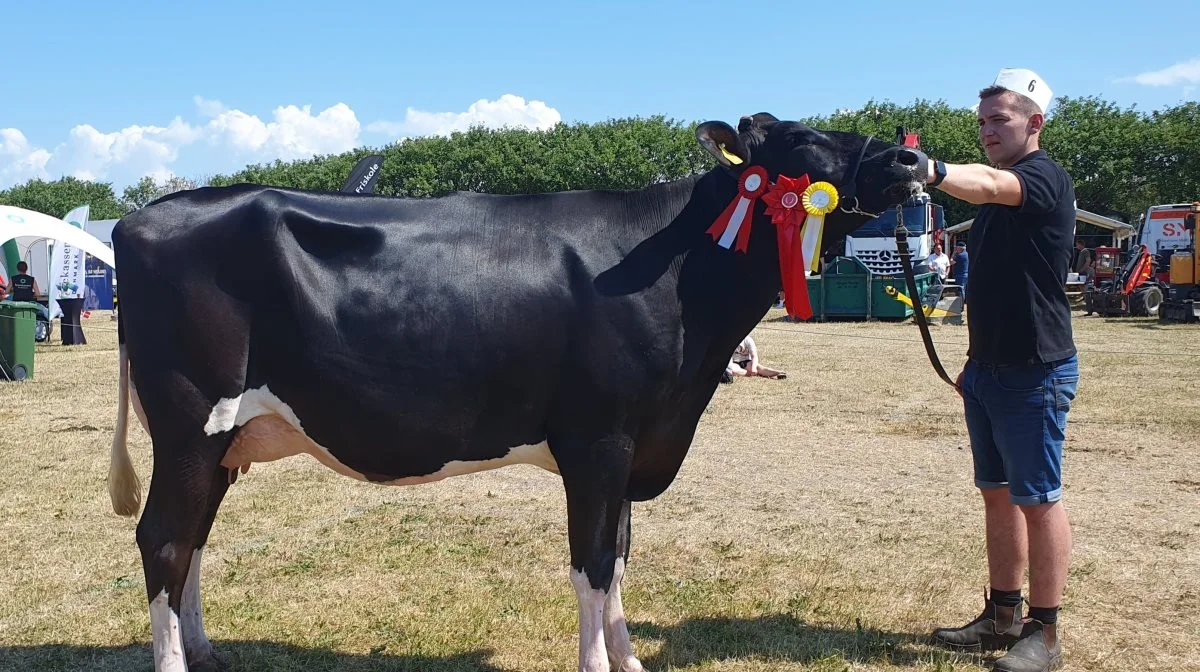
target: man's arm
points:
(976, 183)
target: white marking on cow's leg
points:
(592, 656)
(168, 644)
(616, 630)
(195, 642)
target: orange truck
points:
(1182, 303)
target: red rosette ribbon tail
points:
(788, 215)
(734, 222)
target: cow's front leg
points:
(616, 630)
(595, 475)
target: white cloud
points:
(508, 110)
(123, 155)
(294, 134)
(208, 108)
(18, 160)
(226, 139)
(1186, 72)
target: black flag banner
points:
(364, 176)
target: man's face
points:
(1004, 131)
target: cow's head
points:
(870, 175)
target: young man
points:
(24, 286)
(1021, 374)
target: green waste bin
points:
(816, 296)
(885, 307)
(18, 319)
(847, 289)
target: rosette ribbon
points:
(797, 207)
(819, 199)
(735, 220)
(784, 207)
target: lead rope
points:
(918, 306)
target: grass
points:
(823, 522)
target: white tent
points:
(19, 222)
(1120, 230)
(35, 250)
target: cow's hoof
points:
(212, 663)
(630, 664)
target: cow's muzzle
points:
(915, 161)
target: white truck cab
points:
(874, 243)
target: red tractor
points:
(1131, 290)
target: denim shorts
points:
(1017, 419)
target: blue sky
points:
(116, 90)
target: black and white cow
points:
(583, 332)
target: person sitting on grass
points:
(744, 363)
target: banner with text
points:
(67, 265)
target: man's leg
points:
(1032, 446)
(998, 625)
(1049, 552)
(1007, 551)
(768, 372)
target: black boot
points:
(1038, 650)
(995, 629)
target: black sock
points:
(1006, 598)
(1047, 615)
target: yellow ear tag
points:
(733, 158)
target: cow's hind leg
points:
(173, 526)
(595, 475)
(200, 656)
(616, 630)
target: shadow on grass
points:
(780, 638)
(784, 638)
(237, 657)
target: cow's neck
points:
(726, 293)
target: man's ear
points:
(1037, 122)
(723, 143)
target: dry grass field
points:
(823, 522)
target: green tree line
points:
(1122, 160)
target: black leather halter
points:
(850, 190)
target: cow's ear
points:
(723, 143)
(750, 122)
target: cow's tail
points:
(124, 488)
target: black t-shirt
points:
(22, 287)
(1020, 256)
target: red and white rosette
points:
(784, 202)
(734, 222)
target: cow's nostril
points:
(907, 157)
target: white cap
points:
(1026, 83)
